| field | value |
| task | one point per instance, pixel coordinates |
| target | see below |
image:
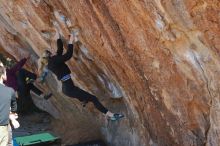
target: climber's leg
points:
(23, 95)
(24, 100)
(25, 103)
(86, 97)
(32, 87)
(24, 77)
(70, 90)
(25, 85)
(21, 78)
(29, 74)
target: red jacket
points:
(11, 74)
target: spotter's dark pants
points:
(24, 101)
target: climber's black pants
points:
(22, 84)
(69, 89)
(24, 101)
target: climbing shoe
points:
(116, 117)
(47, 96)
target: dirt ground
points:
(33, 123)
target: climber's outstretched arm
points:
(59, 43)
(59, 47)
(69, 52)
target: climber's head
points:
(43, 60)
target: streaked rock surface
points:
(161, 57)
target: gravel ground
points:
(33, 124)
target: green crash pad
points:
(36, 139)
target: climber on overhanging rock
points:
(21, 81)
(56, 63)
(42, 69)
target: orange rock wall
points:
(161, 56)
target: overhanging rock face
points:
(161, 57)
